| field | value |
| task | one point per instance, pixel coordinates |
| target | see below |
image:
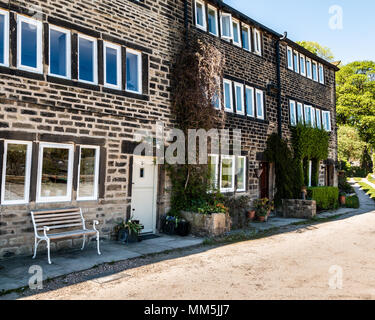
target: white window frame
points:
(302, 61)
(313, 117)
(239, 85)
(321, 76)
(68, 197)
(204, 27)
(257, 42)
(96, 170)
(244, 173)
(318, 112)
(253, 101)
(231, 95)
(68, 52)
(224, 15)
(95, 57)
(245, 26)
(310, 122)
(119, 69)
(6, 38)
(39, 39)
(308, 69)
(139, 54)
(239, 35)
(317, 71)
(289, 50)
(292, 107)
(296, 66)
(216, 20)
(262, 106)
(216, 178)
(300, 106)
(224, 190)
(326, 126)
(27, 173)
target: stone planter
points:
(302, 209)
(215, 224)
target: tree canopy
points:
(319, 50)
(350, 145)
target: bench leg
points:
(97, 241)
(84, 241)
(48, 250)
(36, 244)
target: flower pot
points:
(251, 215)
(262, 218)
(183, 228)
(125, 237)
(342, 200)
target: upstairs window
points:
(315, 71)
(4, 38)
(302, 65)
(226, 26)
(257, 42)
(239, 94)
(321, 74)
(29, 44)
(295, 61)
(228, 96)
(87, 59)
(326, 119)
(236, 33)
(300, 113)
(246, 42)
(212, 20)
(308, 68)
(59, 52)
(200, 15)
(133, 71)
(250, 105)
(260, 104)
(293, 115)
(290, 58)
(112, 66)
(88, 173)
(318, 119)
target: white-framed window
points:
(318, 118)
(88, 173)
(212, 20)
(321, 73)
(290, 58)
(293, 113)
(302, 65)
(246, 37)
(213, 167)
(310, 173)
(59, 52)
(133, 71)
(300, 117)
(4, 38)
(313, 115)
(29, 44)
(226, 26)
(227, 173)
(112, 65)
(308, 68)
(55, 172)
(250, 104)
(228, 95)
(257, 42)
(15, 185)
(326, 120)
(236, 33)
(239, 98)
(259, 103)
(200, 15)
(241, 173)
(315, 71)
(87, 59)
(217, 96)
(296, 61)
(308, 115)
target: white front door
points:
(144, 190)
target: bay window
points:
(87, 59)
(241, 173)
(227, 173)
(239, 98)
(228, 96)
(226, 26)
(246, 40)
(200, 14)
(236, 32)
(15, 182)
(88, 173)
(29, 44)
(293, 116)
(213, 168)
(4, 38)
(133, 71)
(212, 20)
(112, 65)
(59, 52)
(55, 172)
(259, 104)
(250, 105)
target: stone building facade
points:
(90, 122)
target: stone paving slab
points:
(14, 273)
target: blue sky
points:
(309, 20)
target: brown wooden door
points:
(264, 180)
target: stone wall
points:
(302, 209)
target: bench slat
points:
(63, 226)
(57, 219)
(65, 222)
(41, 212)
(57, 215)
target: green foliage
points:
(366, 162)
(263, 207)
(316, 48)
(344, 186)
(368, 189)
(371, 178)
(350, 144)
(237, 203)
(326, 197)
(352, 202)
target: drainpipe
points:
(186, 17)
(279, 110)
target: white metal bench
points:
(61, 223)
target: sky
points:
(310, 20)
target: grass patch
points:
(316, 220)
(368, 189)
(370, 178)
(357, 179)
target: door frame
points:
(155, 189)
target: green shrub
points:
(352, 202)
(326, 197)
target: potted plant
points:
(251, 214)
(262, 215)
(263, 208)
(170, 224)
(183, 228)
(342, 198)
(128, 232)
(304, 192)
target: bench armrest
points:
(94, 224)
(45, 229)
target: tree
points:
(350, 145)
(316, 48)
(355, 91)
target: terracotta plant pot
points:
(251, 215)
(342, 200)
(262, 219)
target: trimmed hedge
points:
(352, 202)
(326, 197)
